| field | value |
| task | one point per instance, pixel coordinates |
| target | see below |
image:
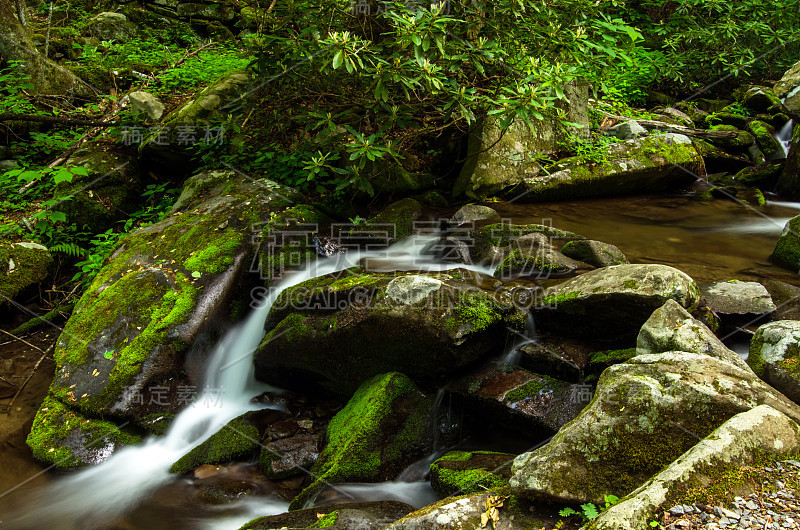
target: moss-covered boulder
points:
(648, 164)
(164, 284)
(465, 472)
(383, 428)
(717, 160)
(110, 188)
(787, 249)
(497, 159)
(600, 360)
(594, 253)
(22, 265)
(338, 330)
(464, 513)
(533, 404)
(533, 255)
(763, 175)
(335, 516)
(111, 26)
(614, 302)
(789, 180)
(238, 438)
(775, 356)
(740, 142)
(749, 438)
(65, 438)
(759, 99)
(672, 328)
(765, 138)
(788, 89)
(644, 415)
(490, 243)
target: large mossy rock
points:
(383, 428)
(164, 284)
(672, 328)
(775, 356)
(787, 249)
(648, 164)
(749, 438)
(22, 265)
(788, 89)
(789, 180)
(491, 243)
(614, 302)
(644, 415)
(349, 516)
(499, 159)
(238, 438)
(111, 26)
(465, 472)
(338, 330)
(110, 189)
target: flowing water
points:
(715, 240)
(784, 136)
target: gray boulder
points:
(594, 253)
(628, 130)
(737, 298)
(644, 415)
(614, 301)
(472, 213)
(740, 441)
(788, 89)
(775, 356)
(147, 103)
(108, 26)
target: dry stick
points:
(680, 129)
(30, 376)
(22, 340)
(52, 119)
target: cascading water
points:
(784, 136)
(96, 495)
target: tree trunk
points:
(23, 19)
(16, 45)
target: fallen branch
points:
(30, 376)
(22, 340)
(655, 125)
(54, 119)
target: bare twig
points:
(680, 129)
(53, 119)
(22, 341)
(30, 376)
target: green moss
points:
(530, 389)
(603, 359)
(327, 520)
(31, 267)
(560, 297)
(479, 312)
(236, 439)
(54, 423)
(461, 472)
(630, 284)
(787, 249)
(43, 320)
(216, 257)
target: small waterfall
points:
(513, 354)
(93, 496)
(784, 136)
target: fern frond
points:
(70, 249)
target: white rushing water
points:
(784, 136)
(97, 494)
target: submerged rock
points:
(338, 330)
(644, 415)
(463, 472)
(746, 438)
(775, 356)
(383, 428)
(652, 163)
(22, 265)
(614, 302)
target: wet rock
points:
(757, 433)
(534, 256)
(788, 89)
(22, 265)
(789, 180)
(787, 249)
(775, 356)
(550, 359)
(472, 213)
(498, 159)
(383, 428)
(674, 115)
(628, 130)
(741, 141)
(238, 438)
(650, 163)
(764, 175)
(533, 404)
(336, 331)
(337, 516)
(291, 456)
(395, 222)
(765, 138)
(787, 299)
(494, 241)
(644, 415)
(734, 297)
(600, 360)
(146, 103)
(594, 253)
(672, 328)
(614, 302)
(759, 99)
(463, 472)
(718, 161)
(110, 26)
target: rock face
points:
(737, 298)
(384, 428)
(652, 163)
(594, 253)
(614, 301)
(533, 404)
(497, 160)
(164, 285)
(762, 432)
(336, 331)
(462, 472)
(775, 356)
(672, 328)
(22, 265)
(787, 249)
(788, 88)
(644, 415)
